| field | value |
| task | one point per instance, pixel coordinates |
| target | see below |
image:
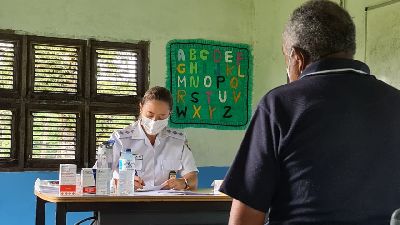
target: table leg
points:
(61, 214)
(40, 211)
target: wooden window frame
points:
(12, 100)
(12, 162)
(141, 49)
(96, 110)
(53, 163)
(86, 103)
(15, 92)
(80, 45)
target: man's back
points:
(324, 149)
(339, 149)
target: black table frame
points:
(152, 206)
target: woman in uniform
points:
(160, 152)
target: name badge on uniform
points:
(138, 162)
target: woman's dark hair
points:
(158, 93)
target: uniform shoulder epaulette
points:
(127, 131)
(178, 134)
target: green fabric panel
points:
(211, 83)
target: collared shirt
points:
(322, 150)
(335, 66)
(153, 163)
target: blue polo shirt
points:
(322, 150)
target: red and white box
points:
(67, 179)
(88, 181)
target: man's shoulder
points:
(278, 94)
(388, 87)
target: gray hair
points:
(320, 28)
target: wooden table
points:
(138, 210)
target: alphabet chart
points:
(211, 83)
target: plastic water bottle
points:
(126, 166)
(126, 161)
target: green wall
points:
(155, 20)
(270, 20)
(378, 40)
(256, 22)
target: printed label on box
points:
(67, 177)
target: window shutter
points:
(56, 68)
(116, 72)
(5, 133)
(7, 64)
(106, 124)
(54, 135)
(62, 97)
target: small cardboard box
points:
(125, 183)
(88, 181)
(67, 179)
(103, 177)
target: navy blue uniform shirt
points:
(322, 150)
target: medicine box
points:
(88, 181)
(125, 185)
(103, 177)
(67, 179)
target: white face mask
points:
(153, 127)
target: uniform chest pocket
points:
(171, 164)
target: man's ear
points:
(301, 59)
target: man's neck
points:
(340, 55)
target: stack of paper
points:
(47, 186)
(168, 193)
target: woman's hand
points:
(139, 183)
(174, 183)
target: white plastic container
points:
(216, 185)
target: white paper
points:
(151, 188)
(170, 193)
(47, 186)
